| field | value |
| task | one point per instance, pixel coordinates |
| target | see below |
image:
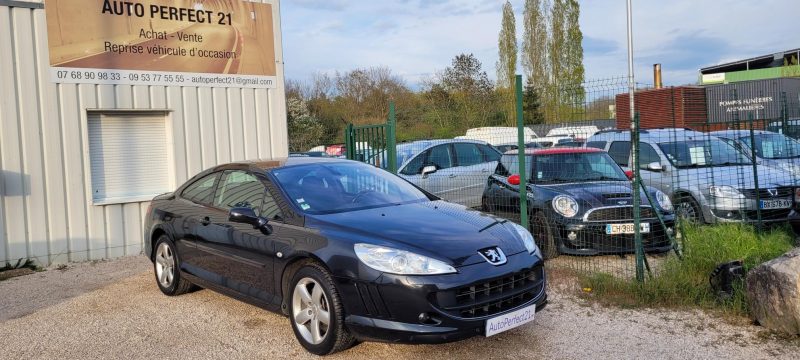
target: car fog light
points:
(427, 319)
(572, 236)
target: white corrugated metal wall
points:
(46, 210)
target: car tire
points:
(687, 209)
(166, 267)
(306, 311)
(543, 235)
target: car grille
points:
(765, 193)
(618, 213)
(494, 296)
(626, 195)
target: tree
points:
(573, 74)
(305, 131)
(507, 60)
(531, 106)
(535, 44)
(557, 60)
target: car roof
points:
(554, 151)
(269, 164)
(652, 135)
(419, 145)
(739, 133)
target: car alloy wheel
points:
(311, 311)
(165, 265)
(687, 210)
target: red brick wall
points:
(680, 107)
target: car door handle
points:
(484, 170)
(452, 175)
(206, 220)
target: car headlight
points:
(527, 239)
(565, 205)
(724, 191)
(399, 262)
(663, 200)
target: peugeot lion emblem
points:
(773, 192)
(493, 255)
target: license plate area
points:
(775, 204)
(509, 321)
(615, 229)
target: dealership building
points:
(105, 104)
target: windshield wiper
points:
(604, 178)
(730, 163)
(493, 224)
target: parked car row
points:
(712, 179)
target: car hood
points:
(437, 229)
(740, 176)
(597, 194)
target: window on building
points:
(128, 156)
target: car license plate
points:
(613, 229)
(776, 204)
(509, 321)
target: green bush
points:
(685, 282)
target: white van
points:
(577, 132)
(496, 135)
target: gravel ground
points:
(113, 309)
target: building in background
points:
(771, 66)
(103, 107)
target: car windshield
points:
(773, 146)
(570, 167)
(702, 153)
(324, 188)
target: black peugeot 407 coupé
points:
(345, 250)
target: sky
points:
(417, 38)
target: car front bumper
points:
(441, 308)
(590, 238)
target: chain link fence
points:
(706, 156)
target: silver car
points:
(775, 150)
(455, 170)
(708, 179)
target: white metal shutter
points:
(128, 156)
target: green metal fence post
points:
(391, 141)
(349, 145)
(523, 176)
(755, 173)
(637, 201)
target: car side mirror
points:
(655, 166)
(427, 170)
(514, 179)
(246, 215)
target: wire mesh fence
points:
(706, 155)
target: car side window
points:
(489, 154)
(467, 154)
(201, 190)
(647, 155)
(596, 144)
(440, 157)
(270, 209)
(620, 151)
(239, 189)
(414, 166)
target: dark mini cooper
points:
(579, 202)
(345, 250)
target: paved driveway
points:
(113, 309)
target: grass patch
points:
(685, 283)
